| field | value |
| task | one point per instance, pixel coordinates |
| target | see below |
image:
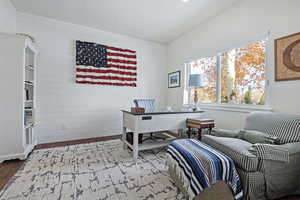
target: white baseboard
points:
(21, 156)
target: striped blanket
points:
(201, 166)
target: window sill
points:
(234, 108)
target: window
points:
(236, 76)
(207, 67)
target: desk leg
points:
(135, 145)
(200, 134)
(189, 132)
(210, 130)
(124, 137)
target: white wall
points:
(244, 22)
(67, 111)
(7, 17)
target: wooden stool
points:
(199, 124)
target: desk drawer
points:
(147, 118)
(152, 123)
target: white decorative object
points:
(169, 108)
(196, 82)
(17, 104)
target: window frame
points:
(187, 100)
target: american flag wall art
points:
(103, 65)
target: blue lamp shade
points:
(196, 81)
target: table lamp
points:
(196, 81)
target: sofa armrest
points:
(292, 148)
(225, 133)
(282, 177)
(273, 166)
(270, 152)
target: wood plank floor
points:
(9, 168)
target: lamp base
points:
(195, 100)
(195, 96)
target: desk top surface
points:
(163, 112)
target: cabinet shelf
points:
(29, 83)
(20, 59)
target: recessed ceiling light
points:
(185, 1)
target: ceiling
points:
(155, 20)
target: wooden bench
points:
(199, 124)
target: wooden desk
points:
(153, 122)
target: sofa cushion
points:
(225, 133)
(287, 130)
(258, 137)
(261, 121)
(286, 127)
(236, 149)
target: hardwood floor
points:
(73, 142)
(9, 168)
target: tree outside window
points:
(242, 76)
(208, 68)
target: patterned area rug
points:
(102, 171)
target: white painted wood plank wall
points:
(67, 111)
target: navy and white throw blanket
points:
(200, 166)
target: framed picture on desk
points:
(174, 79)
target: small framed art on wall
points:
(174, 79)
